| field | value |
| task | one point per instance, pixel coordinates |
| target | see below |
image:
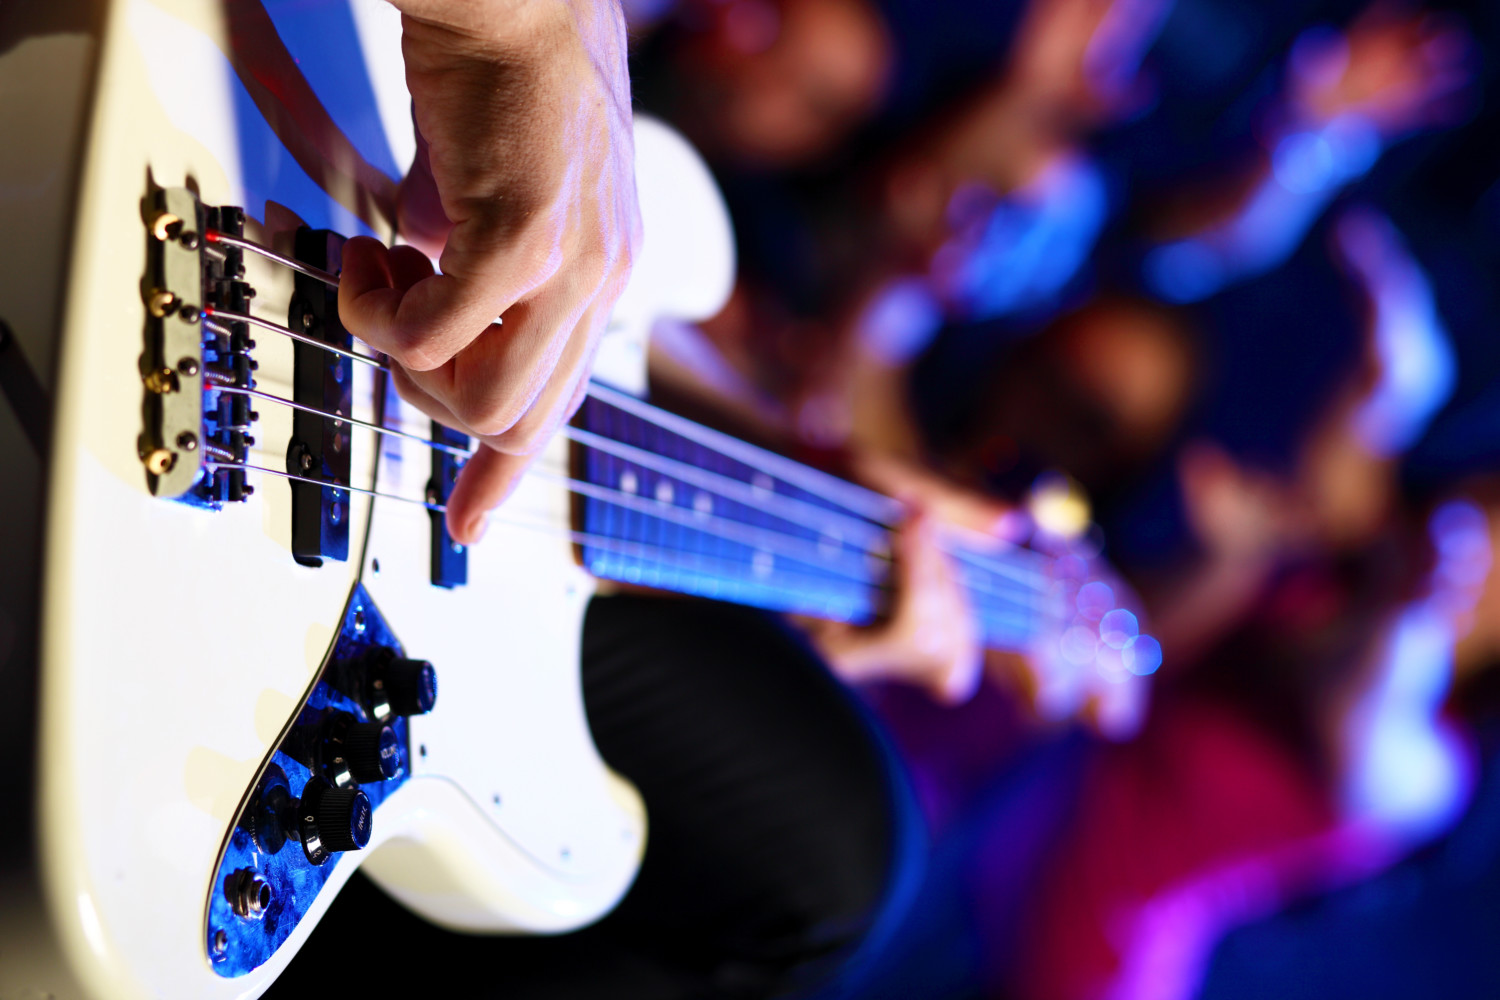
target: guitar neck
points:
(677, 506)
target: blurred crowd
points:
(1226, 269)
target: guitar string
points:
(876, 508)
(339, 418)
(815, 551)
(211, 314)
(814, 555)
(736, 532)
(639, 550)
(867, 503)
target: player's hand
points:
(524, 189)
(930, 638)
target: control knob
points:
(399, 685)
(355, 751)
(333, 820)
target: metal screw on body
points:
(162, 381)
(165, 226)
(159, 461)
(161, 303)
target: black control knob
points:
(360, 751)
(401, 686)
(333, 819)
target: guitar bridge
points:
(189, 423)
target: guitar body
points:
(155, 652)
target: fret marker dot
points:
(762, 564)
(703, 504)
(664, 492)
(628, 482)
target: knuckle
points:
(486, 419)
(413, 355)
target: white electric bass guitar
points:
(226, 591)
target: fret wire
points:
(1032, 600)
(724, 446)
(774, 542)
(723, 485)
(1007, 576)
(866, 503)
(1036, 580)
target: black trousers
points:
(770, 841)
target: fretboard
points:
(677, 506)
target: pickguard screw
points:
(335, 513)
(306, 462)
(188, 366)
(187, 441)
(359, 621)
(189, 314)
(221, 942)
(189, 239)
(458, 549)
(307, 321)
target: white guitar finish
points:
(177, 642)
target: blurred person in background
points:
(769, 84)
(1322, 608)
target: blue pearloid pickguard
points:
(247, 942)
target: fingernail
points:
(476, 528)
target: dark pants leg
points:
(769, 841)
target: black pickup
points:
(323, 380)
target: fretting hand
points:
(930, 639)
(524, 189)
